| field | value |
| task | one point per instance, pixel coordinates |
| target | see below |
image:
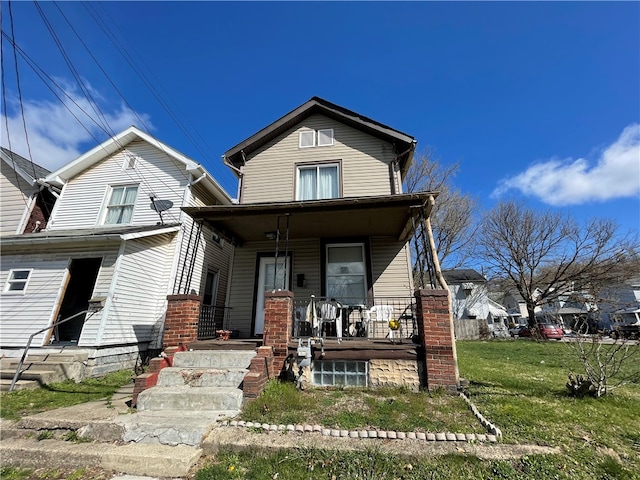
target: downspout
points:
(239, 172)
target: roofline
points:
(116, 143)
(308, 108)
(9, 161)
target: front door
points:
(269, 278)
(83, 273)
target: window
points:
(317, 182)
(217, 239)
(346, 273)
(340, 372)
(120, 205)
(17, 281)
(307, 138)
(325, 137)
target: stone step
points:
(42, 377)
(5, 384)
(170, 427)
(214, 359)
(67, 356)
(47, 372)
(198, 377)
(185, 398)
(133, 458)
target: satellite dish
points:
(160, 206)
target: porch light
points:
(271, 235)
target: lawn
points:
(25, 402)
(519, 385)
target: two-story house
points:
(322, 214)
(116, 245)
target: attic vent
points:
(467, 286)
(130, 162)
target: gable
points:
(269, 173)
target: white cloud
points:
(55, 136)
(614, 174)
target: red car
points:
(547, 331)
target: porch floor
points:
(363, 349)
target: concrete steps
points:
(41, 369)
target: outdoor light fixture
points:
(271, 235)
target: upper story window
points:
(313, 138)
(120, 205)
(316, 182)
(17, 281)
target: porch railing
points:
(391, 318)
(212, 319)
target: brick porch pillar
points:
(181, 321)
(278, 319)
(435, 329)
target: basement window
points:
(347, 373)
(17, 281)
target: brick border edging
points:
(494, 435)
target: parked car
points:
(515, 331)
(546, 331)
(549, 331)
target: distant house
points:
(470, 299)
(26, 205)
(117, 242)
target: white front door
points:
(267, 283)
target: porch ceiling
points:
(389, 215)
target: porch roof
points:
(389, 215)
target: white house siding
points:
(22, 315)
(14, 192)
(138, 302)
(365, 163)
(156, 173)
(390, 272)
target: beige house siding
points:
(82, 202)
(269, 174)
(390, 268)
(15, 193)
(389, 265)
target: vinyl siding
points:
(22, 315)
(390, 268)
(15, 194)
(269, 174)
(139, 299)
(156, 173)
(389, 272)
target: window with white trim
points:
(119, 208)
(346, 273)
(316, 182)
(307, 138)
(325, 137)
(17, 281)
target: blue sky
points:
(536, 100)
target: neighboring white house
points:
(25, 205)
(470, 300)
(117, 237)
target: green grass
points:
(354, 408)
(17, 404)
(519, 385)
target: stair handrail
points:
(95, 305)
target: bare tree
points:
(451, 218)
(546, 254)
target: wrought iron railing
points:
(212, 319)
(392, 318)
